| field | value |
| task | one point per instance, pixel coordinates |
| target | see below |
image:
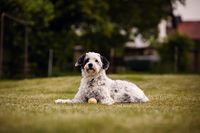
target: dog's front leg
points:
(76, 99)
(58, 101)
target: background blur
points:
(45, 37)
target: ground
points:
(28, 106)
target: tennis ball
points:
(92, 101)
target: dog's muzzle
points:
(90, 68)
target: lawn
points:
(28, 106)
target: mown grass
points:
(28, 106)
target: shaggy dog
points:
(95, 84)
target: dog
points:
(96, 84)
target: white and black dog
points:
(95, 84)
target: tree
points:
(37, 13)
(54, 22)
(143, 14)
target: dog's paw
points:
(58, 101)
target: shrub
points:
(173, 51)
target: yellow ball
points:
(92, 100)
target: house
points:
(140, 58)
(139, 55)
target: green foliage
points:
(143, 14)
(70, 12)
(53, 23)
(37, 13)
(176, 45)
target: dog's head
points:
(92, 63)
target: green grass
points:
(28, 106)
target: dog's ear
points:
(80, 61)
(105, 62)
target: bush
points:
(175, 49)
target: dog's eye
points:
(96, 61)
(86, 61)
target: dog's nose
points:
(90, 65)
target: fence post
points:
(1, 45)
(26, 69)
(50, 64)
(175, 59)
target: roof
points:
(192, 29)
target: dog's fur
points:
(95, 84)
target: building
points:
(139, 55)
